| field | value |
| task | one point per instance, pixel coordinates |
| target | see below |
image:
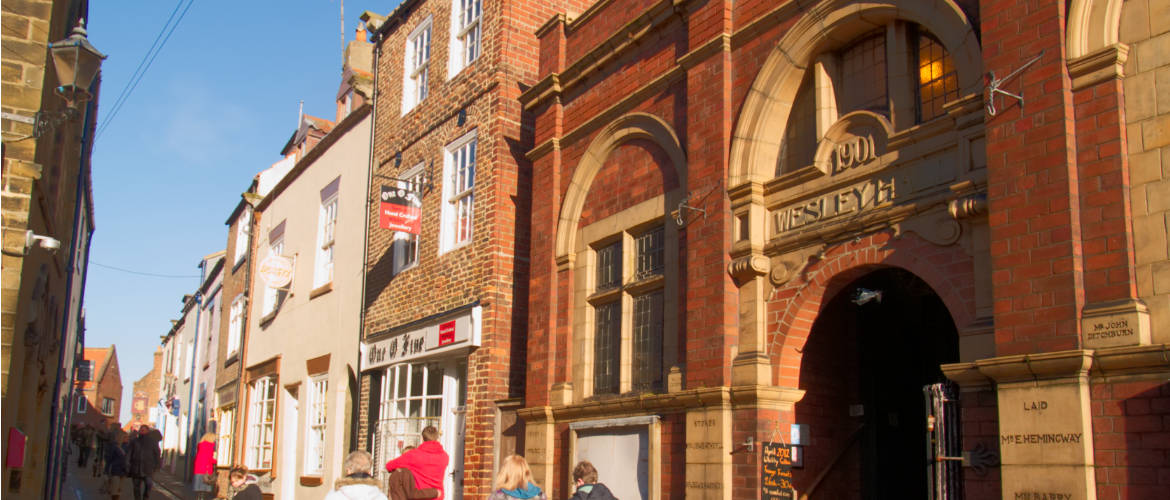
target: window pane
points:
(800, 134)
(606, 349)
(650, 254)
(647, 352)
(937, 80)
(434, 408)
(416, 380)
(415, 407)
(863, 76)
(435, 382)
(609, 266)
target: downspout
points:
(355, 413)
(241, 403)
(54, 462)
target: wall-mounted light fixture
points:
(35, 240)
(77, 63)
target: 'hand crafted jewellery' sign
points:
(401, 210)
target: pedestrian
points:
(101, 438)
(427, 465)
(244, 484)
(145, 459)
(585, 477)
(84, 437)
(204, 486)
(358, 482)
(515, 481)
(117, 464)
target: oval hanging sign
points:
(276, 271)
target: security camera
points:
(47, 242)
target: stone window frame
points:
(624, 226)
(416, 60)
(462, 54)
(652, 424)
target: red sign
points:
(401, 210)
(15, 457)
(447, 333)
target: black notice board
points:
(776, 472)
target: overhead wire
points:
(142, 273)
(145, 64)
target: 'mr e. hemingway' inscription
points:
(857, 198)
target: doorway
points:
(871, 352)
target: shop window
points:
(261, 422)
(404, 248)
(411, 398)
(458, 211)
(465, 34)
(418, 55)
(326, 225)
(316, 419)
(937, 80)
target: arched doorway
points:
(871, 352)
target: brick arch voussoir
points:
(844, 264)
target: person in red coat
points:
(427, 464)
(205, 466)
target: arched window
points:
(899, 71)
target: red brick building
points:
(145, 402)
(758, 225)
(445, 304)
(98, 401)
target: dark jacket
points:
(145, 455)
(598, 492)
(116, 460)
(250, 492)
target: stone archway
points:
(755, 144)
(629, 127)
(1092, 25)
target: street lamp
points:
(77, 63)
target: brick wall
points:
(149, 384)
(1131, 436)
(227, 372)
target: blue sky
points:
(215, 107)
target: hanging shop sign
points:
(444, 335)
(401, 210)
(776, 472)
(276, 271)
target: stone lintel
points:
(1132, 359)
(1072, 364)
(1123, 322)
(767, 397)
(1098, 66)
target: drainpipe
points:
(355, 414)
(55, 462)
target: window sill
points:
(232, 358)
(267, 318)
(311, 481)
(645, 284)
(321, 290)
(239, 263)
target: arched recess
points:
(627, 128)
(755, 145)
(1092, 26)
(842, 265)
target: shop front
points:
(418, 378)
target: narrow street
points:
(81, 485)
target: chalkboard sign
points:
(776, 472)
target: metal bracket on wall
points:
(993, 85)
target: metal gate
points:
(944, 447)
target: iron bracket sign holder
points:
(994, 84)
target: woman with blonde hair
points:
(515, 481)
(205, 466)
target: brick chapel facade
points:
(834, 225)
